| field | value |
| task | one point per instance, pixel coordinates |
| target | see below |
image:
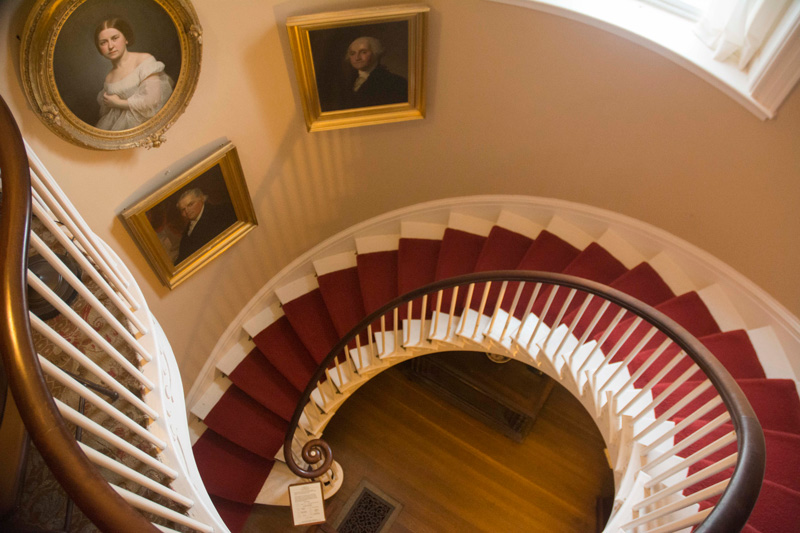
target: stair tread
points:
(688, 310)
(228, 470)
(783, 459)
(234, 514)
(593, 263)
(641, 282)
(311, 322)
(377, 274)
(762, 394)
(416, 263)
(458, 254)
(265, 384)
(416, 267)
(776, 509)
(244, 421)
(769, 434)
(341, 292)
(732, 348)
(503, 249)
(547, 253)
(282, 347)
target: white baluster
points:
(73, 317)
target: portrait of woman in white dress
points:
(136, 87)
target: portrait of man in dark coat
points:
(204, 221)
(368, 82)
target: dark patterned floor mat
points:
(369, 510)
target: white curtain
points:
(738, 27)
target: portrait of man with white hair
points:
(362, 66)
(369, 83)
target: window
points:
(668, 28)
(690, 9)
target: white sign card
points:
(308, 505)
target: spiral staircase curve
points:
(253, 385)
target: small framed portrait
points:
(110, 74)
(360, 67)
(190, 221)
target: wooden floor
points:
(453, 474)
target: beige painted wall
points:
(519, 102)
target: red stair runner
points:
(234, 514)
(641, 282)
(502, 250)
(416, 266)
(416, 263)
(264, 432)
(458, 255)
(763, 395)
(377, 273)
(594, 263)
(312, 323)
(688, 310)
(733, 349)
(266, 385)
(229, 471)
(548, 253)
(341, 292)
(282, 347)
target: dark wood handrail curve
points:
(79, 477)
(736, 502)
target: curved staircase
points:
(252, 384)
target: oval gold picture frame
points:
(63, 71)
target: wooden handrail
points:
(80, 478)
(736, 502)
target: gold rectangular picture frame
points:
(193, 219)
(360, 67)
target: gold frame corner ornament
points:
(42, 29)
(299, 28)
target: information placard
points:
(308, 505)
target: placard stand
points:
(308, 505)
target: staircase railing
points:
(114, 340)
(599, 343)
